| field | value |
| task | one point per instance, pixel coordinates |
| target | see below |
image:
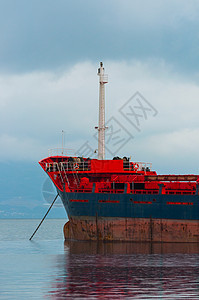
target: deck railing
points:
(137, 166)
(61, 152)
(86, 165)
(68, 166)
(131, 192)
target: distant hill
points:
(26, 192)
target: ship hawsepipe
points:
(120, 200)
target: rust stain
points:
(129, 229)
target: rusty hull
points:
(131, 229)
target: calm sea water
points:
(48, 268)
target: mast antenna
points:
(63, 141)
(103, 79)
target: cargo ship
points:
(122, 200)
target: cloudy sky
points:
(49, 55)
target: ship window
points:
(117, 185)
(78, 200)
(138, 186)
(142, 202)
(109, 201)
(180, 203)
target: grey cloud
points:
(46, 35)
(36, 107)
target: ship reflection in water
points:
(94, 270)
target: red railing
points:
(134, 192)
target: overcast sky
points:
(49, 55)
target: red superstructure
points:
(112, 176)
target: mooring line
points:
(43, 218)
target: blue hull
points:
(180, 207)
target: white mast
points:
(103, 79)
